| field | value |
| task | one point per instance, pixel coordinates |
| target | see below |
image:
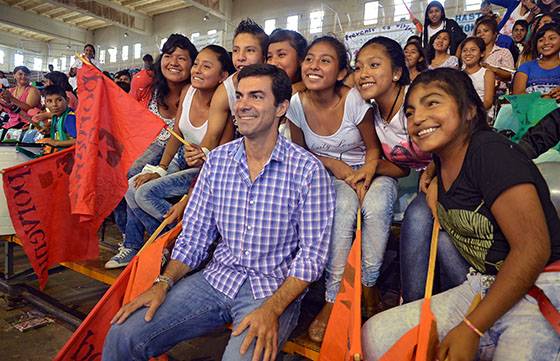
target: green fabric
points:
(529, 109)
(57, 126)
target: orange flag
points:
(113, 131)
(39, 206)
(342, 339)
(420, 343)
(87, 341)
(413, 18)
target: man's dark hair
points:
(123, 72)
(54, 90)
(281, 83)
(148, 57)
(251, 27)
(523, 23)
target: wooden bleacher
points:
(95, 269)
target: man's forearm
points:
(286, 294)
(176, 270)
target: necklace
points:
(386, 122)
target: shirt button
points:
(251, 202)
(247, 253)
(248, 227)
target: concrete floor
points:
(80, 293)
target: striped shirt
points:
(276, 227)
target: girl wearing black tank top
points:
(495, 205)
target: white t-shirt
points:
(513, 17)
(346, 143)
(5, 83)
(395, 142)
(191, 133)
(431, 31)
(78, 64)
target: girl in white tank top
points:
(174, 175)
(484, 81)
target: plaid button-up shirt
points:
(273, 228)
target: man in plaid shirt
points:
(272, 203)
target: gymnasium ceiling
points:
(69, 19)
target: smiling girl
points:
(286, 50)
(336, 124)
(438, 51)
(484, 81)
(415, 59)
(542, 75)
(494, 204)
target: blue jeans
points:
(191, 309)
(377, 214)
(152, 196)
(152, 156)
(521, 334)
(416, 233)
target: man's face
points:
(123, 78)
(56, 103)
(255, 111)
(51, 67)
(518, 33)
(148, 64)
(246, 51)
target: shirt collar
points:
(278, 153)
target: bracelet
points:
(205, 151)
(148, 168)
(472, 327)
(164, 166)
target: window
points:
(137, 51)
(55, 64)
(18, 59)
(102, 56)
(292, 22)
(37, 64)
(316, 22)
(112, 55)
(194, 36)
(371, 11)
(124, 53)
(72, 60)
(472, 5)
(212, 32)
(63, 63)
(269, 26)
(162, 42)
(400, 11)
(1, 56)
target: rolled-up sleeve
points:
(199, 227)
(316, 215)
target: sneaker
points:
(122, 258)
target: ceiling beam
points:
(206, 9)
(111, 13)
(43, 25)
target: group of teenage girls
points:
(367, 136)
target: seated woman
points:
(415, 59)
(438, 52)
(17, 101)
(151, 191)
(534, 26)
(484, 81)
(172, 72)
(507, 231)
(496, 58)
(542, 75)
(336, 124)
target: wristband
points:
(148, 168)
(165, 279)
(472, 327)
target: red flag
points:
(87, 341)
(342, 341)
(414, 19)
(39, 206)
(113, 131)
